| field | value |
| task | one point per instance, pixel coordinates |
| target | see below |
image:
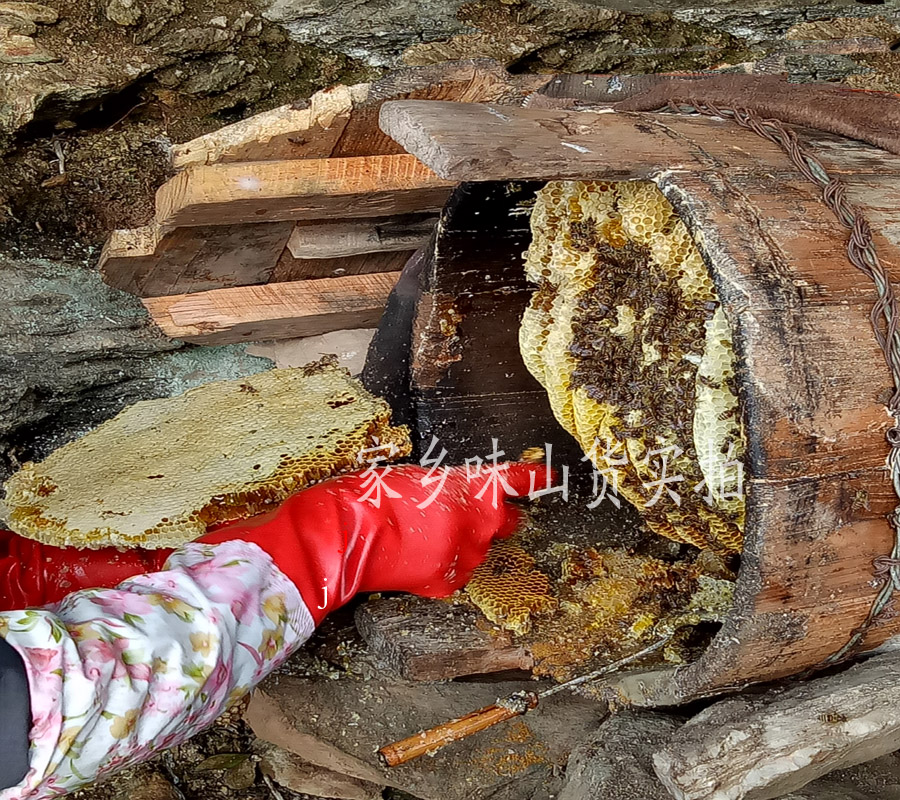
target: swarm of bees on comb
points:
(626, 334)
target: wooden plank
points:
(430, 640)
(484, 142)
(289, 268)
(148, 262)
(288, 132)
(472, 81)
(274, 191)
(273, 311)
(357, 237)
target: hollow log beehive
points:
(811, 379)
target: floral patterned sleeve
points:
(117, 674)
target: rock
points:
(375, 31)
(33, 12)
(123, 12)
(74, 352)
(10, 23)
(615, 763)
(292, 772)
(845, 28)
(218, 76)
(339, 724)
(143, 783)
(18, 49)
(196, 40)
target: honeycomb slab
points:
(627, 335)
(162, 471)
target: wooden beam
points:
(149, 262)
(288, 132)
(357, 237)
(273, 311)
(474, 142)
(274, 191)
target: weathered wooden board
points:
(430, 640)
(273, 311)
(779, 741)
(872, 117)
(275, 191)
(469, 81)
(147, 262)
(342, 121)
(357, 237)
(289, 268)
(480, 142)
(484, 142)
(293, 131)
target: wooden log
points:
(357, 237)
(148, 262)
(273, 311)
(757, 748)
(430, 640)
(275, 191)
(288, 132)
(812, 381)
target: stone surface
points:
(74, 352)
(123, 12)
(570, 35)
(18, 49)
(615, 762)
(33, 12)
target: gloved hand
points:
(331, 536)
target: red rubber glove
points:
(326, 536)
(35, 574)
(331, 536)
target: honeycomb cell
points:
(162, 471)
(626, 334)
(508, 589)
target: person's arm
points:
(115, 675)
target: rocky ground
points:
(93, 93)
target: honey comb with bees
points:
(162, 471)
(626, 334)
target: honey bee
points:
(833, 717)
(533, 455)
